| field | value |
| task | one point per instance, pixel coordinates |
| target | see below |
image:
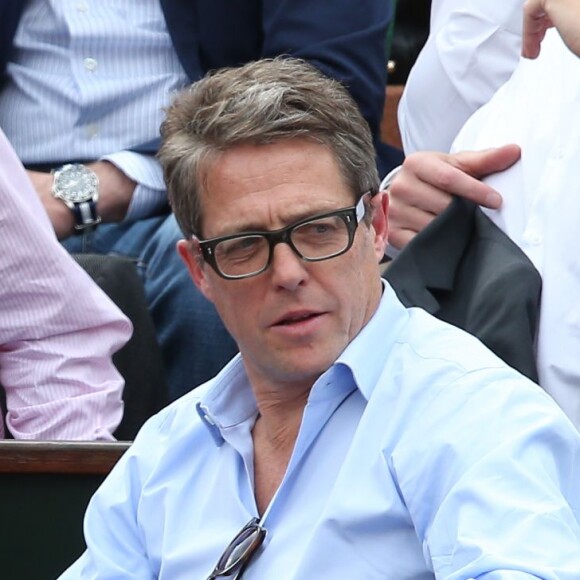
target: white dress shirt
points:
(472, 49)
(88, 80)
(420, 455)
(539, 109)
(58, 330)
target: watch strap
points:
(85, 214)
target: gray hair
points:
(263, 102)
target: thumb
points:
(481, 163)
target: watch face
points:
(76, 183)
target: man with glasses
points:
(351, 438)
(83, 85)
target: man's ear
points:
(190, 253)
(380, 222)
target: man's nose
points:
(288, 270)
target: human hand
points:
(424, 186)
(59, 214)
(115, 192)
(540, 15)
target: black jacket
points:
(463, 269)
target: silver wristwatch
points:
(78, 187)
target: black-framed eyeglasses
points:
(313, 239)
(239, 551)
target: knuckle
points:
(414, 161)
(443, 177)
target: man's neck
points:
(274, 436)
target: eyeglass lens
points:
(240, 550)
(317, 239)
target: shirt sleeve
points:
(491, 481)
(58, 330)
(116, 545)
(150, 195)
(472, 49)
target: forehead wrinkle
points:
(268, 187)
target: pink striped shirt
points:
(58, 330)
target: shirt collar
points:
(366, 355)
(228, 399)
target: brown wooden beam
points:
(390, 126)
(78, 457)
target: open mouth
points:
(297, 318)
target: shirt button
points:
(535, 239)
(82, 7)
(90, 64)
(208, 419)
(91, 130)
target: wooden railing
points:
(60, 456)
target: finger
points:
(487, 161)
(531, 43)
(406, 217)
(533, 34)
(422, 182)
(454, 177)
(400, 238)
(418, 194)
(479, 164)
(409, 217)
(535, 24)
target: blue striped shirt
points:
(88, 80)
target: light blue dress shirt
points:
(420, 455)
(88, 80)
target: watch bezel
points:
(83, 204)
(63, 190)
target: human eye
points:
(240, 249)
(320, 230)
